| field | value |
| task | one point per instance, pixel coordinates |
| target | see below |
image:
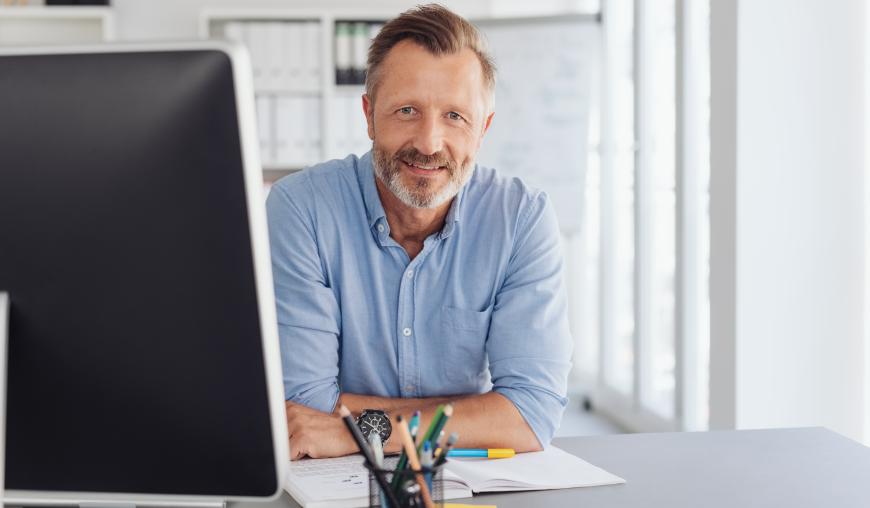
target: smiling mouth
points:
(423, 167)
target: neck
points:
(410, 226)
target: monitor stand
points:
(4, 341)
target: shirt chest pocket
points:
(464, 332)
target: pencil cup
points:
(407, 490)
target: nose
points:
(429, 138)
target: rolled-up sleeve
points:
(529, 344)
(308, 311)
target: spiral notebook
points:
(343, 482)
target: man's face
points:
(426, 122)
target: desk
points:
(793, 468)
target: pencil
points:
(413, 427)
(439, 426)
(367, 453)
(442, 456)
(439, 412)
(411, 451)
(418, 443)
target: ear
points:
(487, 123)
(369, 111)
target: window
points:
(646, 239)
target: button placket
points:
(408, 367)
(407, 361)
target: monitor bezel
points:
(247, 127)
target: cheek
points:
(466, 145)
(387, 134)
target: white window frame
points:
(628, 409)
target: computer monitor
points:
(143, 362)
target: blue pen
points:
(426, 462)
(414, 425)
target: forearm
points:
(394, 406)
(486, 420)
(490, 420)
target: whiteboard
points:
(547, 74)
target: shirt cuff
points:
(321, 398)
(542, 410)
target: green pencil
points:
(403, 459)
(433, 425)
(436, 433)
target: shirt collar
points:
(366, 177)
(375, 209)
(455, 212)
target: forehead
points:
(410, 72)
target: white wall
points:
(867, 227)
(788, 214)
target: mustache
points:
(414, 156)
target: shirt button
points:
(381, 228)
(406, 332)
(409, 273)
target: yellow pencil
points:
(411, 452)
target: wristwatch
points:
(375, 420)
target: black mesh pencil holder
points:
(406, 487)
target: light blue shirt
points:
(481, 307)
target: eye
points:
(453, 115)
(407, 110)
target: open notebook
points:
(343, 482)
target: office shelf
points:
(40, 25)
(340, 121)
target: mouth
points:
(422, 169)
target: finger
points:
(296, 449)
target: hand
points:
(317, 435)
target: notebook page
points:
(344, 482)
(310, 481)
(552, 468)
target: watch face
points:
(374, 422)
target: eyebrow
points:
(396, 104)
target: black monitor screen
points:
(135, 350)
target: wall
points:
(179, 19)
(867, 227)
(787, 214)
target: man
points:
(410, 277)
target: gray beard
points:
(389, 171)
